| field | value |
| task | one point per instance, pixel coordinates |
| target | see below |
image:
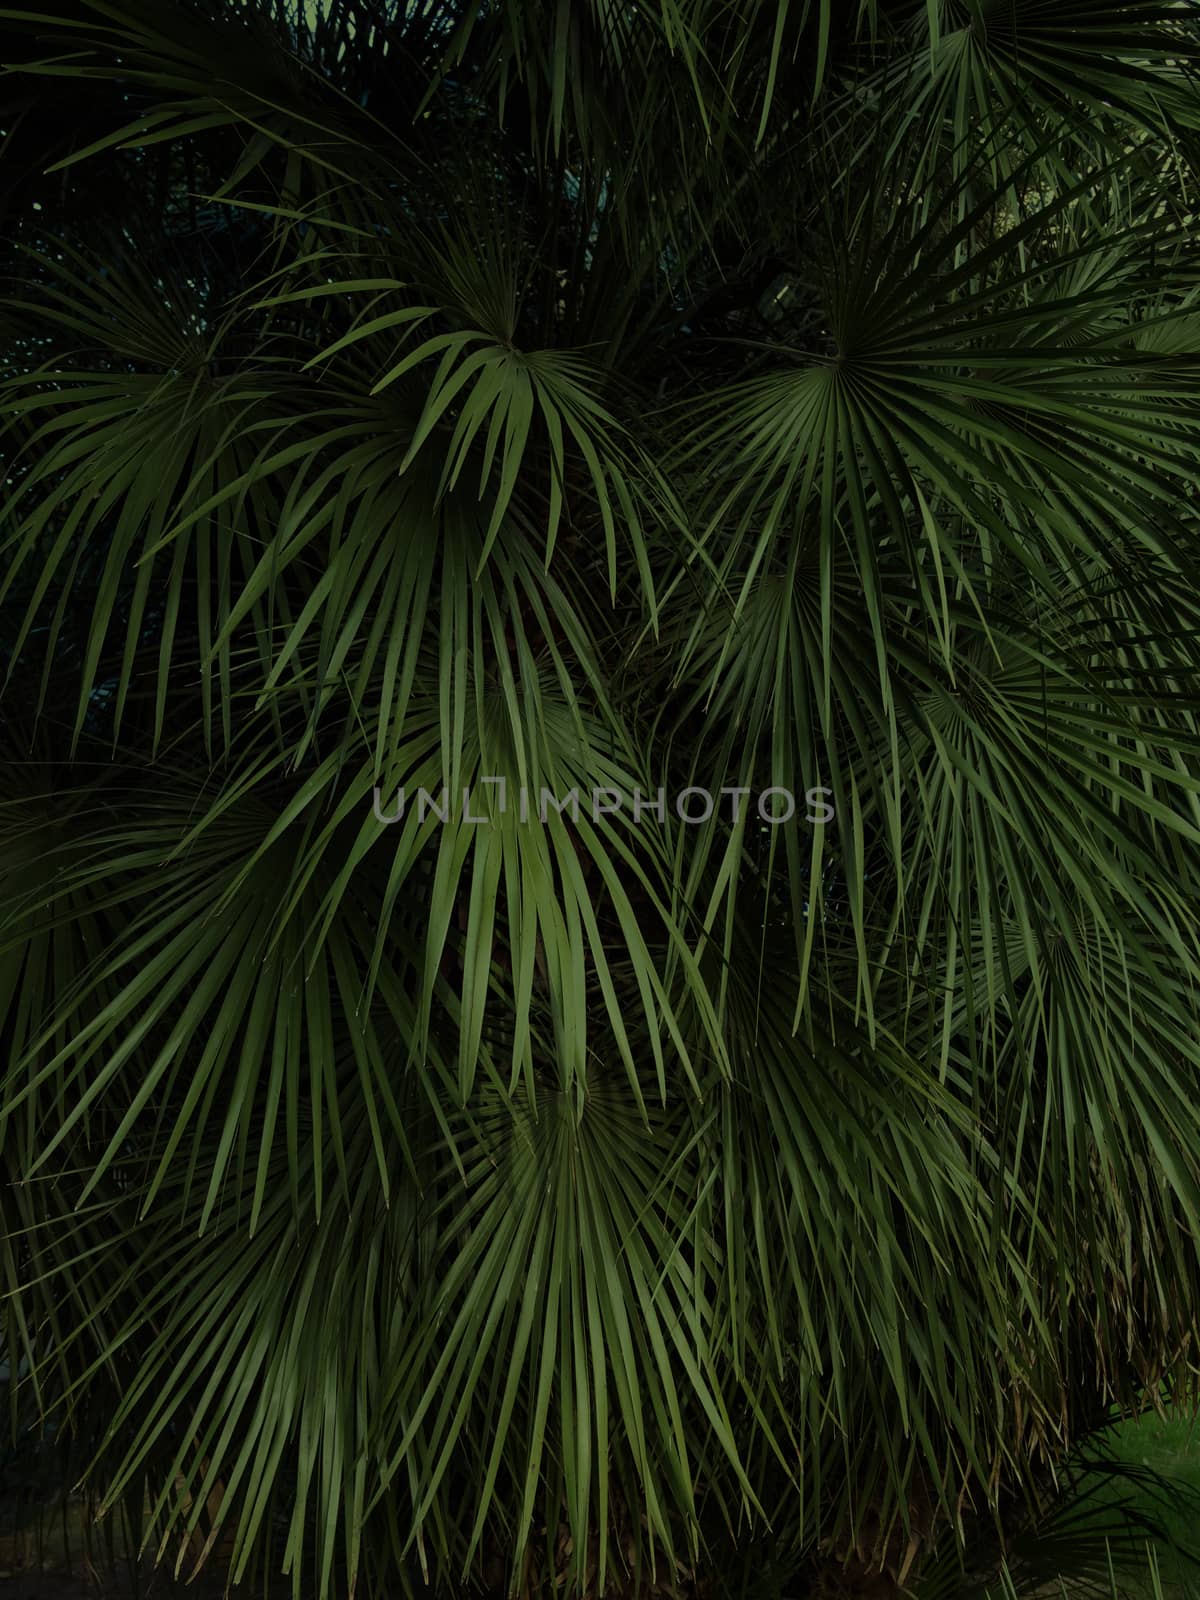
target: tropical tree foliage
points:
(677, 394)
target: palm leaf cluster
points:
(664, 395)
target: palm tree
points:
(668, 396)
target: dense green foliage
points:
(683, 393)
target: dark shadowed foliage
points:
(702, 394)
